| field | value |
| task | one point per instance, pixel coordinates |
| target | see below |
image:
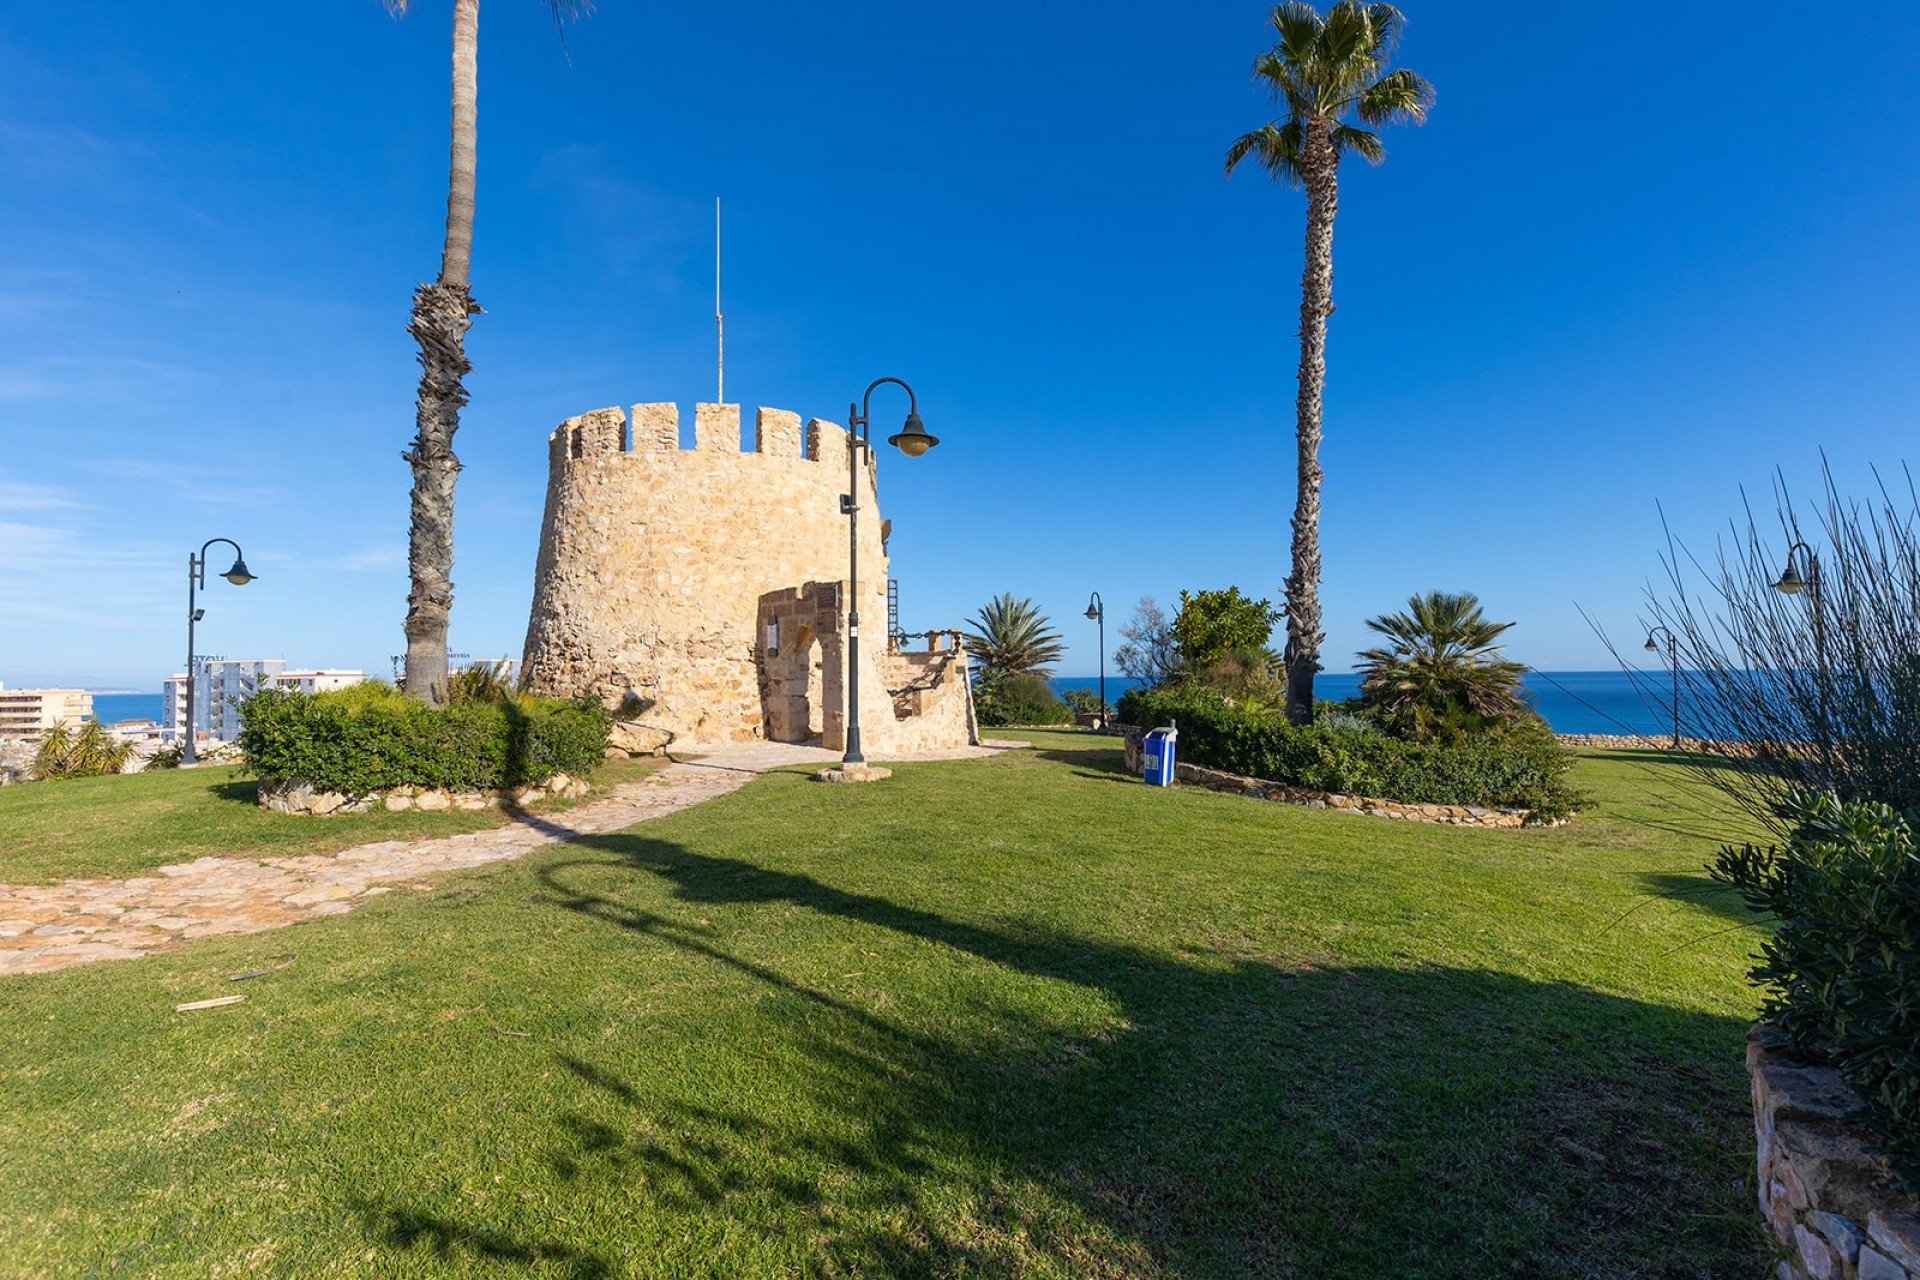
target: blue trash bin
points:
(1157, 756)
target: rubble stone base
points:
(1828, 1202)
(296, 795)
(853, 773)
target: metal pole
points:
(194, 566)
(1673, 656)
(855, 441)
(1820, 659)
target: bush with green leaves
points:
(1520, 768)
(371, 737)
(1001, 699)
(1081, 701)
(1841, 973)
(89, 752)
(1212, 627)
(1441, 677)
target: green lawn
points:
(123, 825)
(1015, 1016)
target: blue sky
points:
(1640, 257)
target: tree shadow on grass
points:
(1102, 763)
(1702, 891)
(1226, 1115)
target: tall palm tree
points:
(1010, 636)
(442, 312)
(1440, 673)
(1322, 71)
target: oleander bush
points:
(371, 737)
(1841, 972)
(1002, 698)
(1519, 766)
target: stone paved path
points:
(47, 927)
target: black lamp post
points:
(1794, 580)
(1673, 659)
(912, 439)
(1097, 612)
(196, 579)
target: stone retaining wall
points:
(296, 795)
(1825, 1198)
(1457, 815)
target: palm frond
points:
(1396, 96)
(1363, 144)
(1298, 26)
(1276, 146)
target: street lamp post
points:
(1673, 660)
(912, 439)
(1793, 580)
(196, 579)
(1097, 612)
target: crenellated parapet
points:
(656, 560)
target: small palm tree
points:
(442, 313)
(89, 753)
(1322, 71)
(1441, 675)
(1010, 636)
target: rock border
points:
(1827, 1200)
(1452, 815)
(297, 796)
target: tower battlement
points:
(653, 430)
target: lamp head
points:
(1791, 582)
(1651, 646)
(912, 439)
(1093, 611)
(238, 575)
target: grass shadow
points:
(1233, 1117)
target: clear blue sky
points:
(1641, 255)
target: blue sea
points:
(1570, 701)
(110, 708)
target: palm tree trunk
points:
(1319, 167)
(442, 312)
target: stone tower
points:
(706, 585)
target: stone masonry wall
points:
(1823, 1195)
(660, 567)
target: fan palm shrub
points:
(1440, 677)
(1010, 636)
(1324, 71)
(89, 753)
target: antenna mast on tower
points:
(719, 322)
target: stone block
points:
(1897, 1235)
(1830, 1167)
(854, 773)
(1838, 1232)
(636, 739)
(777, 432)
(1875, 1265)
(1817, 1257)
(827, 444)
(433, 800)
(716, 427)
(656, 428)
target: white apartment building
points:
(28, 713)
(222, 684)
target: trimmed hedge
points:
(1520, 768)
(1842, 969)
(372, 737)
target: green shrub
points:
(1002, 698)
(1519, 768)
(1842, 970)
(371, 737)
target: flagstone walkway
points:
(47, 927)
